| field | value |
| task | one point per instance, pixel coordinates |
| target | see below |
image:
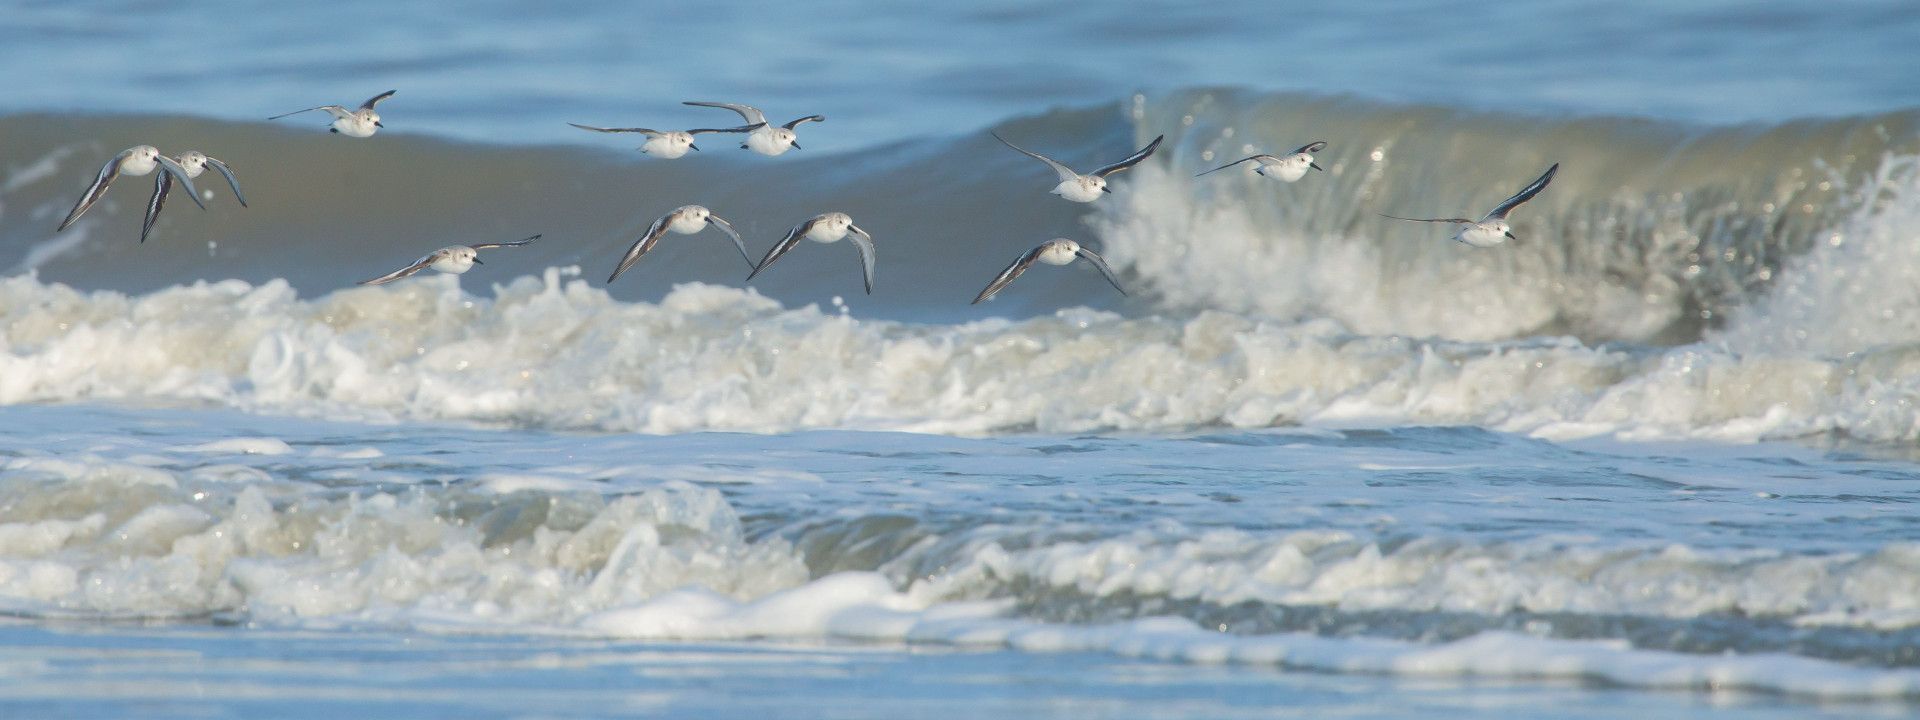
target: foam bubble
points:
(246, 446)
(1857, 287)
(864, 606)
(547, 352)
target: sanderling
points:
(764, 139)
(362, 122)
(669, 144)
(1084, 188)
(826, 228)
(195, 163)
(686, 220)
(1290, 168)
(1058, 251)
(1492, 229)
(136, 161)
(454, 259)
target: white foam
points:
(561, 354)
(43, 537)
(244, 446)
(1240, 245)
(280, 550)
(553, 553)
(91, 470)
(551, 546)
(36, 583)
(1857, 287)
(1546, 575)
(856, 604)
(153, 530)
(865, 606)
(360, 453)
(506, 483)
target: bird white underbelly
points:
(455, 265)
(1285, 172)
(137, 165)
(353, 127)
(663, 147)
(762, 141)
(1076, 191)
(1058, 254)
(686, 225)
(1479, 235)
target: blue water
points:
(509, 73)
(1653, 459)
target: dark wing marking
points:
(1525, 194)
(1131, 160)
(727, 227)
(1444, 220)
(1006, 276)
(864, 243)
(108, 172)
(751, 114)
(1312, 147)
(232, 181)
(1066, 173)
(809, 118)
(785, 244)
(162, 183)
(1237, 162)
(1101, 264)
(375, 100)
(649, 131)
(643, 245)
(407, 271)
(179, 173)
(516, 243)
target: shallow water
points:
(1443, 554)
(246, 672)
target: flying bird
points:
(685, 220)
(1084, 188)
(1288, 168)
(361, 122)
(455, 259)
(1492, 229)
(764, 139)
(195, 163)
(824, 228)
(669, 144)
(136, 161)
(1058, 251)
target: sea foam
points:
(556, 353)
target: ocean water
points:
(1655, 457)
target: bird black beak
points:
(1314, 165)
(1510, 236)
(1106, 189)
(378, 124)
(796, 144)
(476, 261)
(695, 147)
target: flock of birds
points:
(363, 121)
